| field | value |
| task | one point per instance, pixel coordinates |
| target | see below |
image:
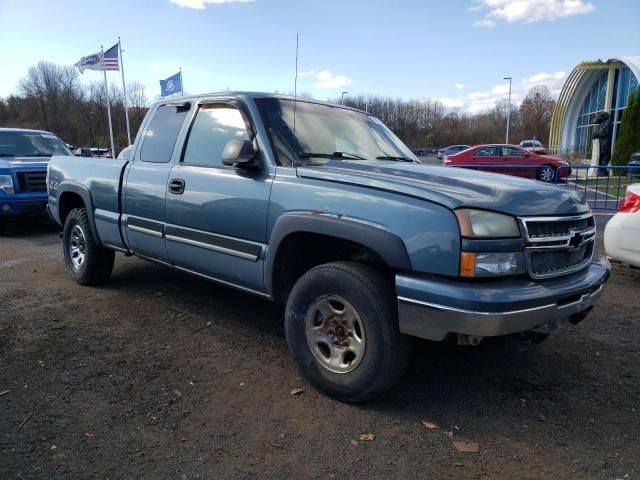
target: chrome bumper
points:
(501, 308)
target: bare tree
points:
(536, 111)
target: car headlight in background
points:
(6, 184)
(491, 264)
(485, 224)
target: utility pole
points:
(342, 98)
(508, 110)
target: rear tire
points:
(546, 173)
(87, 262)
(342, 329)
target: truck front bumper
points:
(434, 307)
(11, 208)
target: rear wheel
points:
(87, 262)
(546, 173)
(342, 329)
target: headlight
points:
(491, 264)
(6, 184)
(484, 224)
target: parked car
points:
(452, 150)
(622, 232)
(534, 146)
(24, 155)
(510, 160)
(93, 152)
(338, 220)
(634, 162)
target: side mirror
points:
(240, 153)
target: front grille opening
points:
(557, 261)
(546, 229)
(30, 182)
(559, 246)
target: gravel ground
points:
(162, 375)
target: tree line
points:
(428, 123)
(51, 97)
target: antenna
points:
(295, 85)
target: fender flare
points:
(388, 246)
(70, 186)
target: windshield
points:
(31, 144)
(325, 132)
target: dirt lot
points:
(162, 375)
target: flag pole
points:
(106, 89)
(124, 90)
(181, 84)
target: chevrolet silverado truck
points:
(24, 155)
(322, 208)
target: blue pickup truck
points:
(324, 209)
(24, 155)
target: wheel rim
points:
(77, 247)
(546, 174)
(335, 334)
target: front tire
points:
(342, 329)
(87, 262)
(546, 173)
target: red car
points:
(510, 160)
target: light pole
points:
(508, 109)
(342, 98)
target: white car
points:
(622, 233)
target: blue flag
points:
(171, 85)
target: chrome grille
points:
(558, 245)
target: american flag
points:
(111, 60)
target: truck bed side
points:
(92, 183)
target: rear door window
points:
(487, 152)
(160, 137)
(511, 152)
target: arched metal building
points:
(592, 87)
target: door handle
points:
(176, 185)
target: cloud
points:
(478, 95)
(460, 86)
(451, 102)
(543, 77)
(326, 79)
(484, 23)
(501, 89)
(552, 80)
(201, 4)
(528, 11)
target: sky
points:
(457, 51)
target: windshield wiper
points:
(345, 155)
(399, 159)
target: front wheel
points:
(546, 174)
(87, 262)
(342, 329)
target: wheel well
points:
(300, 252)
(67, 202)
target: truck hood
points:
(454, 187)
(23, 162)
